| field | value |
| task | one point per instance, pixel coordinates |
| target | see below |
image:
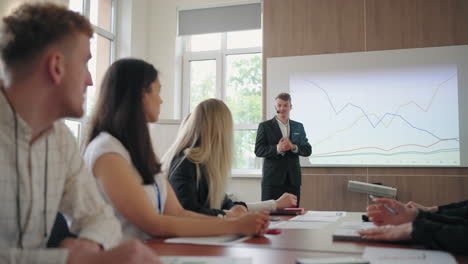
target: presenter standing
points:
(280, 141)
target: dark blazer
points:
(183, 179)
(277, 167)
(446, 229)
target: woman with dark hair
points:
(120, 155)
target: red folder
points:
(289, 211)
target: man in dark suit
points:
(280, 141)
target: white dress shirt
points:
(285, 131)
(70, 189)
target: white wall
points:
(132, 29)
(246, 189)
(164, 52)
(163, 135)
(162, 44)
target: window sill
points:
(246, 173)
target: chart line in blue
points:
(380, 119)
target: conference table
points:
(286, 247)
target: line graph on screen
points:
(385, 116)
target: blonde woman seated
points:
(199, 164)
(120, 155)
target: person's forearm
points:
(268, 206)
(188, 213)
(196, 208)
(295, 149)
(304, 150)
(266, 151)
(454, 205)
(459, 209)
(103, 229)
(444, 218)
(173, 226)
(456, 212)
(453, 238)
(92, 217)
(278, 151)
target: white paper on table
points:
(299, 225)
(303, 218)
(210, 240)
(204, 260)
(332, 260)
(325, 213)
(319, 216)
(348, 231)
(379, 255)
(356, 225)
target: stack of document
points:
(348, 231)
(319, 216)
(298, 225)
(204, 260)
(332, 260)
(210, 240)
(310, 220)
(379, 255)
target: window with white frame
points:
(101, 14)
(228, 66)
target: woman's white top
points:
(106, 143)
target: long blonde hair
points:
(206, 138)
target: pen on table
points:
(391, 210)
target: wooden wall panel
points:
(409, 188)
(306, 27)
(419, 171)
(329, 192)
(340, 171)
(400, 24)
(427, 190)
(448, 189)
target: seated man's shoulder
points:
(62, 142)
(63, 135)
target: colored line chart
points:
(401, 116)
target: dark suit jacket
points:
(445, 229)
(183, 179)
(277, 167)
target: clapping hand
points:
(284, 144)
